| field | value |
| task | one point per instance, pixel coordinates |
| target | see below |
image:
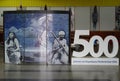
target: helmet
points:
(61, 33)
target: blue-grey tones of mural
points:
(36, 32)
(58, 39)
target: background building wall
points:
(81, 17)
(107, 18)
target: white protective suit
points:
(60, 52)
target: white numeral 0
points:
(100, 51)
(115, 46)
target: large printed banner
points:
(100, 49)
(36, 37)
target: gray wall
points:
(107, 18)
(82, 16)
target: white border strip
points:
(95, 61)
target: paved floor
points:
(58, 73)
(11, 72)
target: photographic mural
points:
(36, 37)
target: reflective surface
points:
(58, 73)
(11, 72)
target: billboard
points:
(36, 37)
(96, 48)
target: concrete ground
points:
(27, 72)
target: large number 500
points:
(89, 46)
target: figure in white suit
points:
(60, 50)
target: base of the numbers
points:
(95, 61)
